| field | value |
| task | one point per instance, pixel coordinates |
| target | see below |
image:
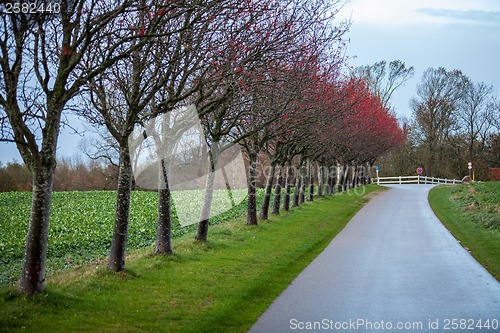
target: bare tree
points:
(157, 76)
(495, 113)
(319, 45)
(475, 114)
(435, 111)
(43, 67)
(298, 116)
(255, 128)
(266, 33)
(384, 79)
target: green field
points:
(81, 226)
(220, 286)
(472, 214)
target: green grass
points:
(472, 214)
(221, 286)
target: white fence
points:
(415, 180)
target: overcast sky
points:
(455, 34)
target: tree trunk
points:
(310, 194)
(302, 193)
(228, 186)
(288, 186)
(333, 184)
(298, 184)
(328, 180)
(340, 172)
(264, 209)
(277, 190)
(364, 170)
(432, 158)
(320, 180)
(116, 260)
(164, 229)
(345, 178)
(202, 230)
(354, 176)
(252, 198)
(33, 274)
(368, 173)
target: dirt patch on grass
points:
(372, 195)
(471, 207)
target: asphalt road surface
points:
(394, 268)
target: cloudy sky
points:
(455, 34)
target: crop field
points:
(81, 226)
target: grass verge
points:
(472, 214)
(221, 286)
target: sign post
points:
(469, 165)
(420, 170)
(377, 168)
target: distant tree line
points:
(71, 174)
(454, 121)
(15, 177)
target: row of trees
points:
(71, 174)
(454, 121)
(14, 177)
(263, 74)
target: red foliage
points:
(372, 129)
(494, 173)
(350, 123)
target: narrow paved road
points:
(394, 268)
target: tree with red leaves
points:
(245, 81)
(369, 130)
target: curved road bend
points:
(394, 268)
